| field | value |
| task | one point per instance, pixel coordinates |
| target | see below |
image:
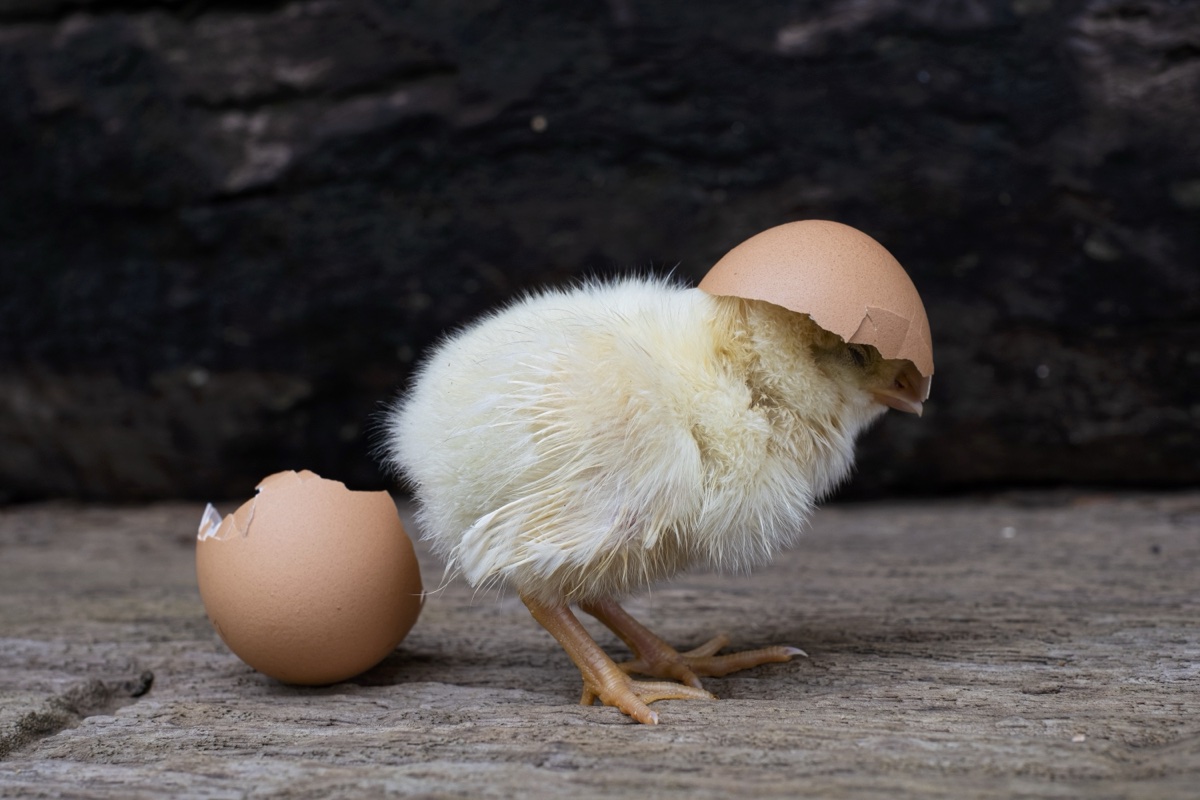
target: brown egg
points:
(842, 278)
(309, 582)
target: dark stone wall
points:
(228, 230)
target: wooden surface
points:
(1023, 645)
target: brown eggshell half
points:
(841, 277)
(309, 582)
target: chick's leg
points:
(655, 657)
(602, 678)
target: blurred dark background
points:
(229, 229)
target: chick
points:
(581, 445)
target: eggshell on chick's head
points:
(839, 276)
(309, 582)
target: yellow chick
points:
(581, 445)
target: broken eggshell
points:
(847, 282)
(309, 582)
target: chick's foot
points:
(657, 658)
(603, 680)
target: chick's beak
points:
(907, 392)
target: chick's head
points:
(815, 367)
(891, 382)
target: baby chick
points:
(581, 445)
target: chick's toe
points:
(655, 657)
(631, 696)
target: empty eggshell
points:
(309, 582)
(841, 277)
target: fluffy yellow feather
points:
(580, 445)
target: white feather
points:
(585, 443)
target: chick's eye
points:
(858, 355)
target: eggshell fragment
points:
(841, 277)
(309, 582)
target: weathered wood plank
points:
(1041, 646)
